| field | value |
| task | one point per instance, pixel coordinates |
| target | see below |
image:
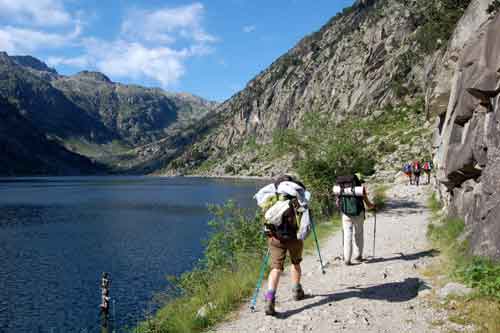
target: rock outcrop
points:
(468, 149)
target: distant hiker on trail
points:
(428, 169)
(416, 171)
(407, 171)
(287, 224)
(351, 199)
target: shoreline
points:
(227, 177)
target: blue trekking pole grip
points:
(317, 246)
(259, 281)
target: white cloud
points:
(123, 59)
(134, 60)
(152, 45)
(78, 62)
(35, 12)
(249, 28)
(167, 25)
(20, 40)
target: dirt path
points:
(383, 294)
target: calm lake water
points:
(57, 236)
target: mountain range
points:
(89, 114)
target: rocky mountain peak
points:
(33, 63)
(5, 59)
(95, 76)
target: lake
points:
(57, 236)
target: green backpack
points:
(350, 205)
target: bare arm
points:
(367, 201)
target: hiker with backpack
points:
(352, 197)
(427, 170)
(416, 172)
(287, 224)
(407, 171)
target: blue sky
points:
(208, 48)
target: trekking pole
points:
(317, 246)
(259, 281)
(342, 250)
(374, 230)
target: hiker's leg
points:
(274, 279)
(296, 271)
(295, 248)
(278, 255)
(358, 222)
(348, 229)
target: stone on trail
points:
(454, 289)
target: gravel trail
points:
(384, 294)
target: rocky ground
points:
(386, 293)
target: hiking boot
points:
(298, 293)
(359, 259)
(347, 263)
(269, 306)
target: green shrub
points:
(284, 141)
(482, 274)
(229, 169)
(439, 21)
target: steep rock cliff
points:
(468, 140)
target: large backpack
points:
(427, 166)
(350, 205)
(416, 166)
(289, 226)
(407, 168)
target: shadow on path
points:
(402, 256)
(391, 292)
(401, 207)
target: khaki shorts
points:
(278, 252)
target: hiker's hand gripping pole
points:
(259, 282)
(317, 246)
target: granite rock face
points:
(446, 62)
(468, 140)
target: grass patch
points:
(222, 295)
(482, 308)
(434, 205)
(483, 313)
